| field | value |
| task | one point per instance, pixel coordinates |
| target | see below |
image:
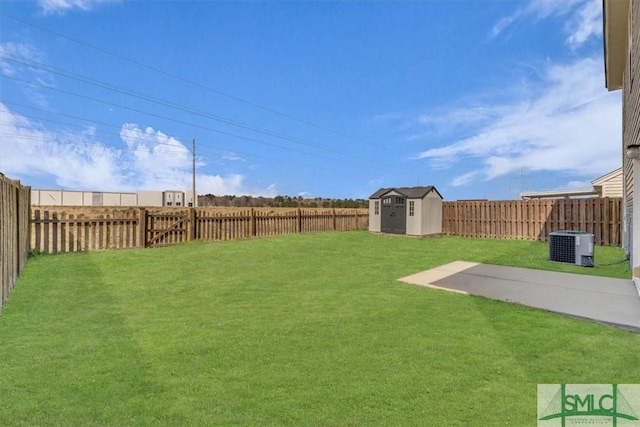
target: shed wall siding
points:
(414, 225)
(431, 215)
(374, 220)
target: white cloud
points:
(20, 52)
(14, 62)
(149, 159)
(464, 179)
(61, 6)
(232, 156)
(536, 9)
(584, 18)
(587, 22)
(570, 123)
(572, 185)
(27, 148)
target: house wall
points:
(613, 186)
(631, 136)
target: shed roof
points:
(408, 192)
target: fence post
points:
(333, 218)
(142, 227)
(299, 220)
(252, 222)
(18, 223)
(193, 227)
(27, 223)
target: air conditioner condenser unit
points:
(575, 247)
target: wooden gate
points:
(164, 229)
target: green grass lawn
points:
(296, 330)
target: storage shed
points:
(415, 211)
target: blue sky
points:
(482, 98)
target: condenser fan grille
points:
(575, 247)
(562, 248)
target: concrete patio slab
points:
(601, 299)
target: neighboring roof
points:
(615, 23)
(408, 192)
(604, 178)
(580, 192)
(559, 193)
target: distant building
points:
(168, 198)
(609, 185)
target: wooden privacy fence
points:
(72, 229)
(535, 219)
(14, 233)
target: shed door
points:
(394, 215)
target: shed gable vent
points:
(575, 247)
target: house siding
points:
(631, 120)
(612, 187)
(611, 184)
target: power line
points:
(149, 98)
(57, 139)
(262, 159)
(267, 159)
(180, 121)
(161, 116)
(84, 127)
(179, 78)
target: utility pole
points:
(193, 182)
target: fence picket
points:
(65, 229)
(534, 219)
(15, 204)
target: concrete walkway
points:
(602, 299)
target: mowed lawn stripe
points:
(309, 329)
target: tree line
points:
(279, 202)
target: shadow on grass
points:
(563, 349)
(68, 355)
